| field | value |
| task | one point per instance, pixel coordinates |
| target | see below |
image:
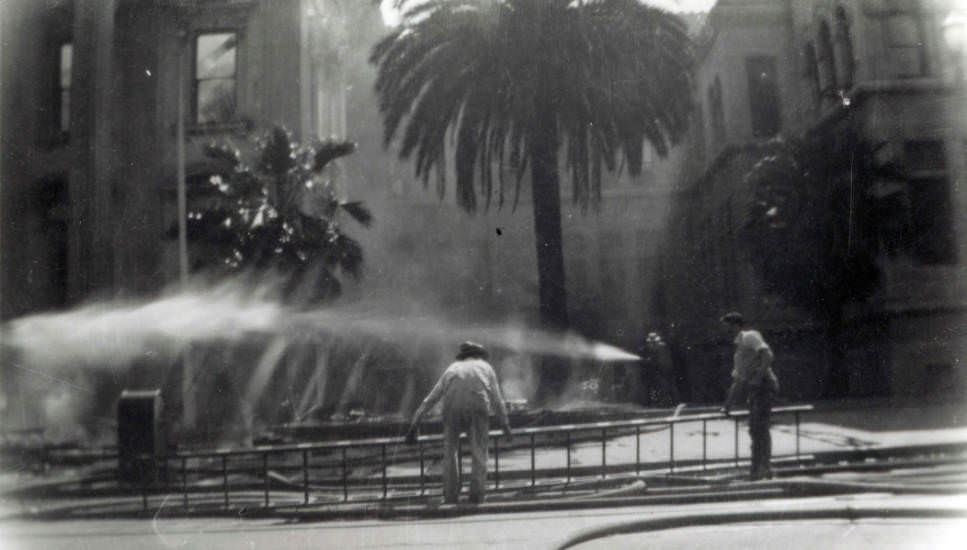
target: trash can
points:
(140, 435)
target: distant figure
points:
(752, 376)
(658, 385)
(469, 390)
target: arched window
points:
(843, 50)
(717, 113)
(766, 116)
(826, 63)
(811, 72)
(713, 124)
(700, 134)
(906, 47)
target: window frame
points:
(843, 49)
(195, 81)
(717, 111)
(825, 60)
(919, 45)
(920, 178)
(811, 73)
(62, 130)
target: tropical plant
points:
(518, 82)
(278, 213)
(814, 229)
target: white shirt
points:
(470, 384)
(749, 365)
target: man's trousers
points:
(476, 423)
(760, 408)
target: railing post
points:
(144, 484)
(225, 478)
(637, 450)
(305, 476)
(497, 462)
(735, 442)
(704, 438)
(533, 469)
(345, 476)
(568, 466)
(164, 473)
(184, 479)
(671, 447)
(797, 438)
(385, 490)
(604, 460)
(265, 473)
(419, 446)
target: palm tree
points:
(278, 212)
(517, 82)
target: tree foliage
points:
(278, 212)
(816, 227)
(612, 74)
(812, 231)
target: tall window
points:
(216, 57)
(65, 63)
(931, 212)
(905, 42)
(763, 95)
(826, 62)
(53, 207)
(717, 112)
(844, 50)
(699, 124)
(811, 72)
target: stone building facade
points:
(788, 68)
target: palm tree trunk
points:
(546, 193)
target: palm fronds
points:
(613, 74)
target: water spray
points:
(113, 336)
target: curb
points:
(633, 496)
(850, 512)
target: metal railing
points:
(358, 470)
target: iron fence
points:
(359, 470)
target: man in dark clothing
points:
(753, 377)
(469, 390)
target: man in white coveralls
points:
(470, 391)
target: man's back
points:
(468, 384)
(752, 356)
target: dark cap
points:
(733, 317)
(472, 349)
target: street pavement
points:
(535, 530)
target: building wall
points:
(903, 96)
(32, 157)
